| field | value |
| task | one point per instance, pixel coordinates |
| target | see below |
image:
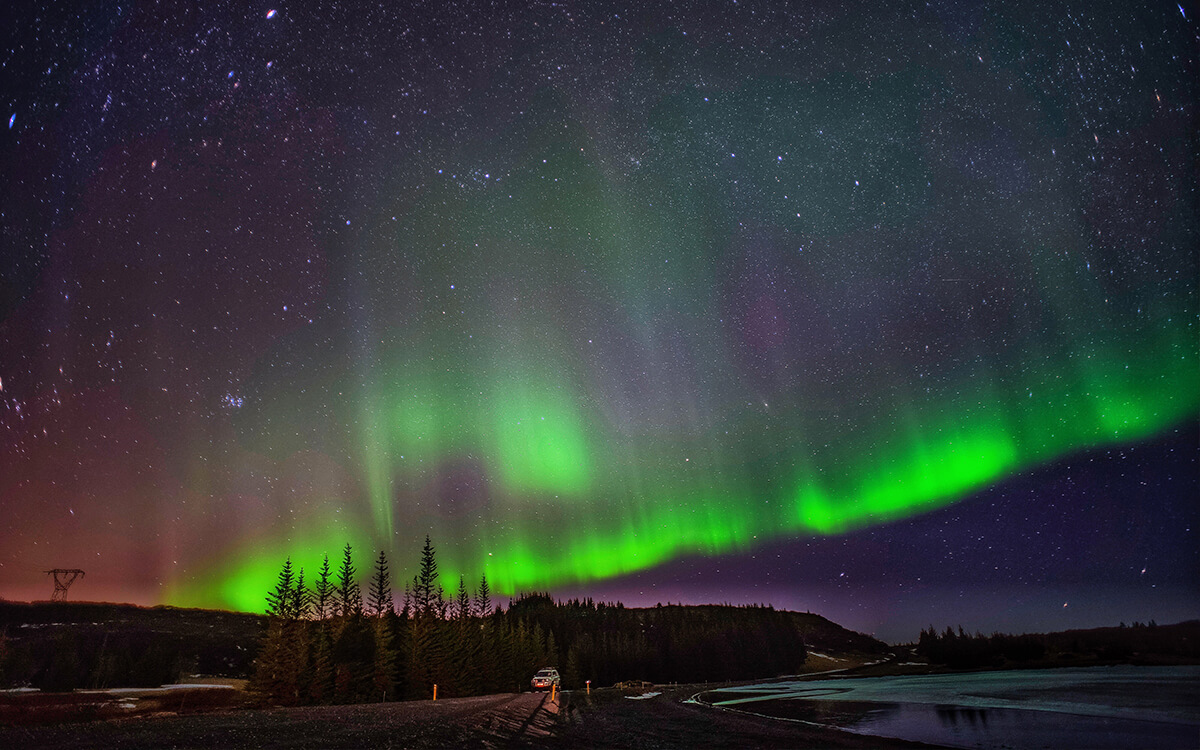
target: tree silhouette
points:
(426, 598)
(381, 589)
(323, 592)
(349, 597)
(301, 604)
(483, 598)
(462, 603)
(343, 656)
(280, 602)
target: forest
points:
(1136, 644)
(328, 643)
(62, 646)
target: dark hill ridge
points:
(163, 618)
(67, 645)
(820, 634)
(1136, 644)
(824, 635)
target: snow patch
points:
(642, 697)
(819, 655)
(160, 689)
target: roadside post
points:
(435, 691)
(553, 692)
(589, 687)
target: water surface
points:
(1100, 707)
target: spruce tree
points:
(380, 601)
(271, 664)
(383, 665)
(349, 596)
(428, 598)
(550, 651)
(462, 608)
(399, 628)
(467, 645)
(407, 608)
(323, 592)
(441, 605)
(301, 598)
(354, 660)
(321, 673)
(280, 601)
(483, 598)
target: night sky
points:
(887, 313)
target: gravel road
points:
(485, 721)
(604, 719)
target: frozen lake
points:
(1098, 707)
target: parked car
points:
(545, 679)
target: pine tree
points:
(354, 659)
(349, 596)
(428, 598)
(321, 677)
(551, 649)
(426, 656)
(323, 592)
(271, 662)
(407, 608)
(483, 598)
(462, 608)
(381, 589)
(280, 601)
(486, 660)
(383, 665)
(400, 628)
(571, 670)
(298, 671)
(466, 646)
(301, 598)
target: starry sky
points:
(887, 313)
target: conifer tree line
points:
(325, 644)
(1149, 643)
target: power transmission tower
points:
(63, 578)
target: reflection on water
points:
(964, 726)
(953, 714)
(959, 726)
(1107, 708)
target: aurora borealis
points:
(607, 298)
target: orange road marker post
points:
(589, 687)
(435, 691)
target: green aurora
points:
(574, 373)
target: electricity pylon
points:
(63, 578)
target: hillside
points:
(826, 636)
(66, 645)
(62, 646)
